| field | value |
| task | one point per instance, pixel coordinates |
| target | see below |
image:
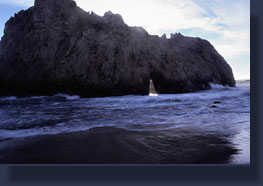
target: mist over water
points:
(221, 110)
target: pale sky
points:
(225, 23)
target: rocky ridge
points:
(56, 47)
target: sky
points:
(225, 23)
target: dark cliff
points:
(55, 47)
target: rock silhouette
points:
(56, 47)
(217, 102)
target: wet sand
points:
(110, 145)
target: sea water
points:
(220, 110)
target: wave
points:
(217, 90)
(220, 87)
(47, 130)
(36, 100)
(68, 97)
(10, 98)
(217, 94)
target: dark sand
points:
(110, 145)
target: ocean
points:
(223, 111)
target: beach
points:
(206, 127)
(110, 145)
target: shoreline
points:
(110, 145)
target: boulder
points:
(217, 102)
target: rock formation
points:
(56, 47)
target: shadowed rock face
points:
(55, 46)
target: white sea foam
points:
(10, 98)
(69, 97)
(217, 86)
(58, 129)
